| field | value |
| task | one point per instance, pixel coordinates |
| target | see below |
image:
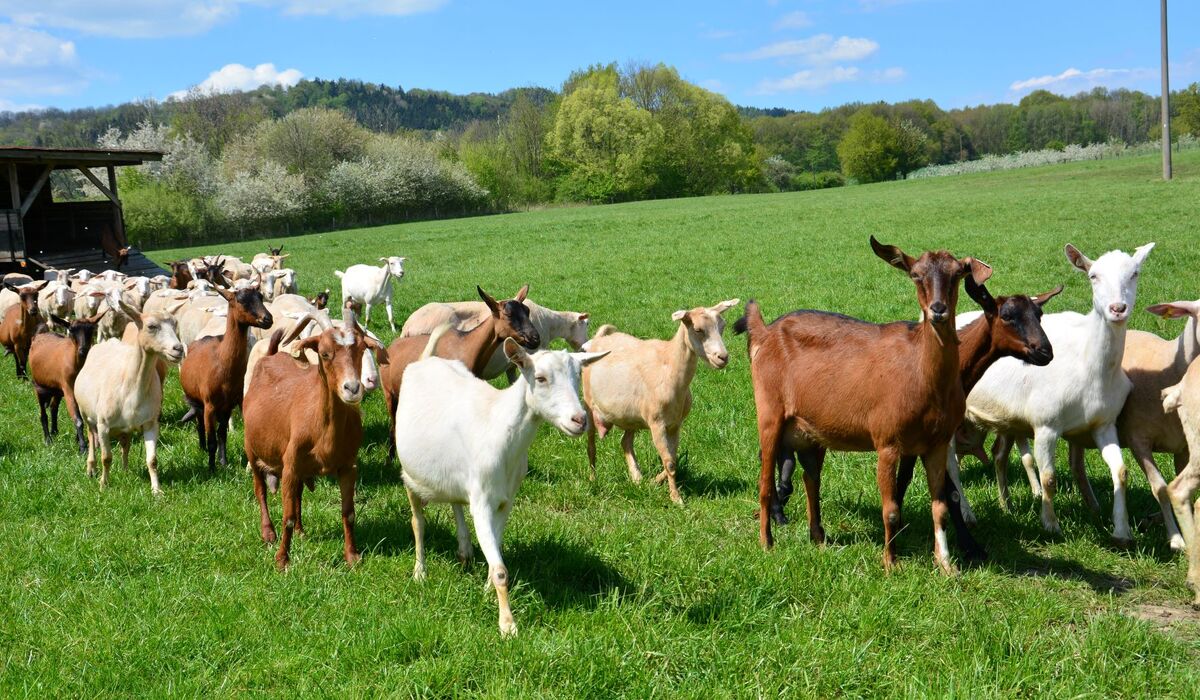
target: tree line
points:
(327, 153)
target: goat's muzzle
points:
(1039, 355)
(532, 341)
(939, 312)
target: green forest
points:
(327, 154)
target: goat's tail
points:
(339, 273)
(606, 329)
(273, 343)
(1172, 397)
(751, 321)
(434, 337)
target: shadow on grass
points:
(565, 575)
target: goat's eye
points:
(915, 277)
(540, 380)
(326, 356)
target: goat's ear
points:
(60, 321)
(487, 299)
(516, 354)
(582, 317)
(1079, 260)
(132, 313)
(10, 287)
(587, 358)
(981, 295)
(225, 293)
(979, 270)
(522, 293)
(96, 319)
(383, 260)
(37, 286)
(726, 305)
(682, 317)
(309, 343)
(892, 255)
(381, 354)
(1175, 309)
(1041, 299)
(1139, 255)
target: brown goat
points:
(54, 361)
(474, 348)
(20, 324)
(302, 420)
(214, 370)
(115, 249)
(180, 275)
(826, 381)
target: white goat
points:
(462, 441)
(369, 285)
(1184, 399)
(57, 299)
(571, 326)
(277, 282)
(119, 392)
(1079, 395)
(647, 385)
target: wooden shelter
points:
(37, 232)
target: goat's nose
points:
(580, 419)
(938, 308)
(723, 357)
(1118, 308)
(351, 387)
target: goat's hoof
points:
(156, 492)
(1177, 544)
(970, 519)
(508, 628)
(353, 558)
(779, 517)
(661, 477)
(635, 477)
(268, 535)
(890, 565)
(282, 563)
(817, 535)
(464, 558)
(418, 573)
(1052, 528)
(1122, 542)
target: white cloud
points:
(235, 77)
(34, 62)
(823, 76)
(141, 19)
(9, 106)
(1075, 80)
(793, 20)
(819, 49)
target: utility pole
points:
(1166, 100)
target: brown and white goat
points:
(20, 323)
(474, 348)
(304, 420)
(214, 370)
(54, 362)
(824, 381)
(115, 249)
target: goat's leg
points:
(222, 439)
(465, 551)
(76, 419)
(885, 477)
(289, 489)
(19, 355)
(124, 442)
(768, 442)
(210, 419)
(1001, 448)
(488, 530)
(367, 312)
(666, 441)
(150, 440)
(91, 454)
(54, 401)
(418, 526)
(1144, 454)
(785, 488)
(265, 527)
(1193, 575)
(1031, 465)
(1110, 452)
(591, 449)
(106, 455)
(935, 472)
(197, 413)
(1181, 491)
(904, 475)
(813, 460)
(952, 472)
(43, 399)
(635, 474)
(1079, 472)
(1045, 440)
(387, 304)
(346, 481)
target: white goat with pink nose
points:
(1079, 395)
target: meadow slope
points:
(619, 592)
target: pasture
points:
(617, 590)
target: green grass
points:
(619, 592)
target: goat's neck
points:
(683, 360)
(481, 343)
(976, 352)
(516, 420)
(939, 356)
(234, 349)
(1105, 342)
(336, 411)
(145, 372)
(1187, 346)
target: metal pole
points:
(1166, 100)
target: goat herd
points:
(822, 381)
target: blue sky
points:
(805, 54)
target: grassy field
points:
(618, 591)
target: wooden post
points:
(118, 215)
(13, 188)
